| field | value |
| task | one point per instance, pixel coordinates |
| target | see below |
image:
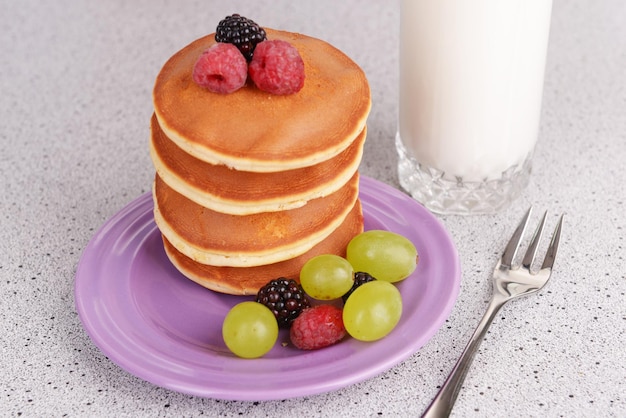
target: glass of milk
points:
(471, 82)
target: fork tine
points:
(514, 242)
(529, 257)
(548, 261)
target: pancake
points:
(220, 239)
(251, 130)
(226, 190)
(248, 280)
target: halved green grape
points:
(372, 311)
(326, 277)
(383, 254)
(250, 329)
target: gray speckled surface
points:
(75, 83)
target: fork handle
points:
(442, 404)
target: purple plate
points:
(159, 326)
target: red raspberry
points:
(317, 327)
(277, 67)
(221, 69)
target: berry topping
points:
(277, 67)
(317, 327)
(242, 32)
(360, 278)
(221, 69)
(285, 298)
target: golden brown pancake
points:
(226, 190)
(248, 280)
(251, 130)
(220, 239)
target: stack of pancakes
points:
(250, 185)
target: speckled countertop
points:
(75, 87)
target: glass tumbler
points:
(471, 83)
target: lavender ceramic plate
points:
(158, 325)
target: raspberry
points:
(221, 69)
(285, 298)
(317, 327)
(244, 33)
(277, 67)
(360, 278)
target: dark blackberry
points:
(360, 278)
(285, 298)
(242, 32)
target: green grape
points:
(250, 329)
(385, 255)
(326, 277)
(372, 310)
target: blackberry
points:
(360, 278)
(242, 32)
(285, 298)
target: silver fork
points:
(510, 281)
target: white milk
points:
(471, 80)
